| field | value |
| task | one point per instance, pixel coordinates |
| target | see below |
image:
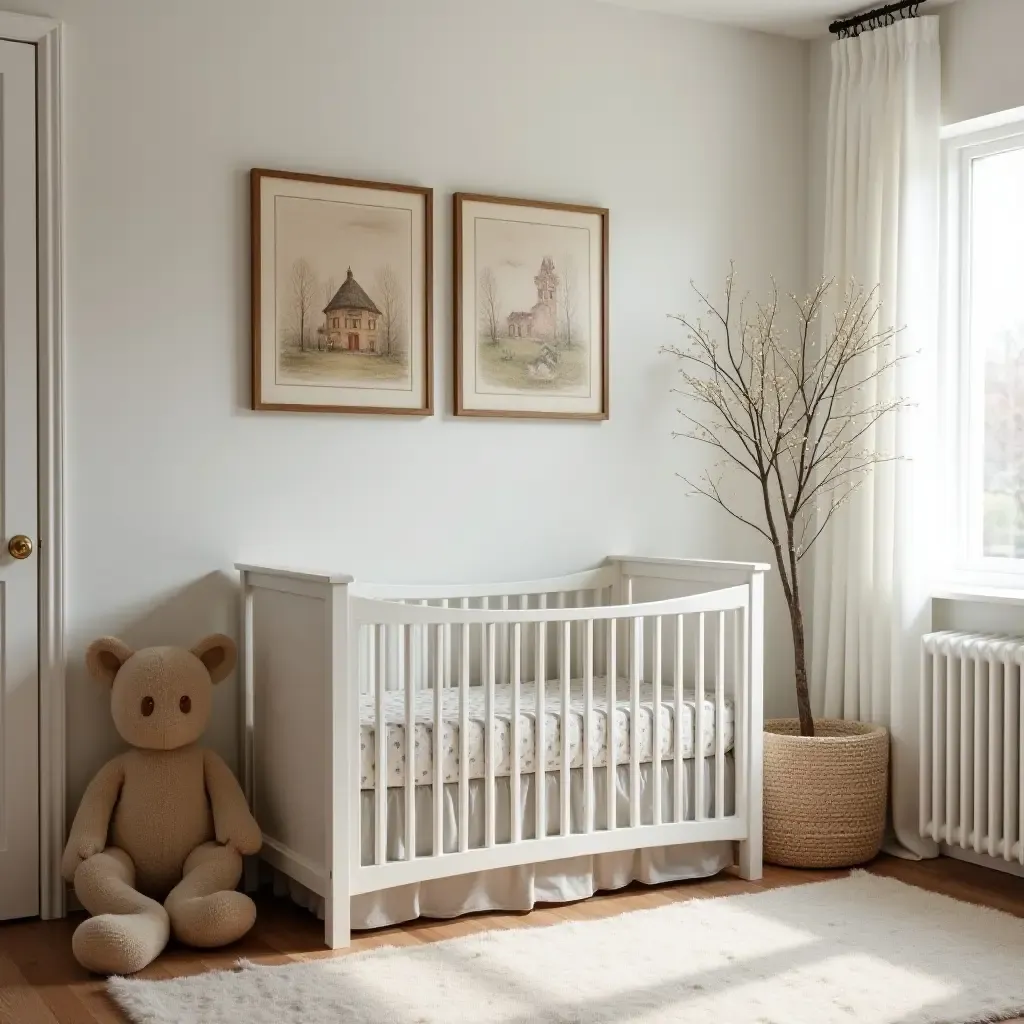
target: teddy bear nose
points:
(185, 704)
(148, 704)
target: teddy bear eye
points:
(185, 704)
(147, 706)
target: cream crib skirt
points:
(520, 888)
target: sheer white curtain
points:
(881, 227)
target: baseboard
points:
(1008, 867)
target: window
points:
(372, 324)
(984, 346)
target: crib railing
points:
(594, 587)
(418, 647)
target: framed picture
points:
(341, 295)
(531, 309)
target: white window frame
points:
(961, 366)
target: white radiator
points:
(972, 769)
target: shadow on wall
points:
(180, 618)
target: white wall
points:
(983, 69)
(693, 136)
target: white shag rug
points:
(860, 949)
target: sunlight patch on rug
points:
(861, 949)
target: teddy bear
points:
(157, 844)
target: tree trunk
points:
(803, 697)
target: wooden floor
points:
(40, 982)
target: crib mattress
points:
(423, 740)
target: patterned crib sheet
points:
(394, 716)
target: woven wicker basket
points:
(824, 795)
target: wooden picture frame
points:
(549, 360)
(368, 346)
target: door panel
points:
(19, 663)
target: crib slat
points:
(564, 804)
(423, 675)
(514, 753)
(438, 788)
(677, 722)
(524, 604)
(560, 603)
(489, 746)
(503, 656)
(542, 603)
(378, 677)
(405, 681)
(588, 717)
(448, 681)
(540, 755)
(720, 719)
(581, 602)
(610, 687)
(464, 639)
(699, 763)
(656, 724)
(635, 671)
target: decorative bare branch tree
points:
(390, 337)
(490, 305)
(303, 296)
(795, 413)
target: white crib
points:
(585, 675)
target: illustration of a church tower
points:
(542, 320)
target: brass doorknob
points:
(20, 546)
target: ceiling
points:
(802, 18)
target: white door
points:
(19, 659)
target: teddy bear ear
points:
(104, 658)
(218, 653)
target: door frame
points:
(46, 35)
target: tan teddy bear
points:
(158, 840)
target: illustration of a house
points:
(541, 321)
(351, 318)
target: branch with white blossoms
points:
(798, 410)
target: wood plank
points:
(20, 1003)
(44, 958)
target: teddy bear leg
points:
(128, 930)
(204, 908)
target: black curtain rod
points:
(878, 18)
